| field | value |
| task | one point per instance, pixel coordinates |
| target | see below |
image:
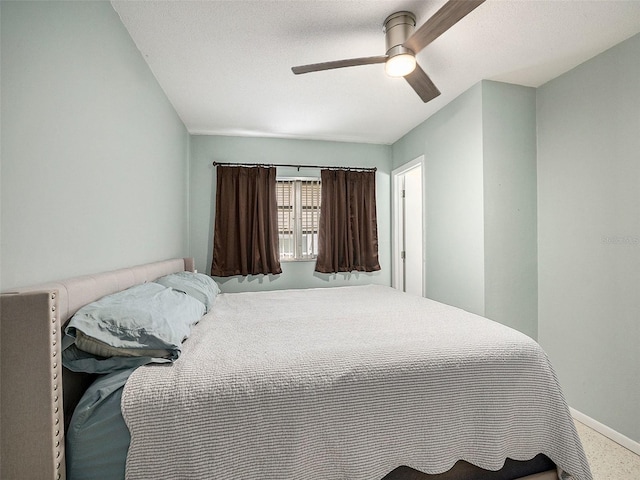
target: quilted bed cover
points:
(345, 383)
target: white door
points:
(408, 245)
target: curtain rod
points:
(356, 169)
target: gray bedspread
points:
(345, 383)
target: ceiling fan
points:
(403, 43)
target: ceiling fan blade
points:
(351, 62)
(422, 84)
(448, 15)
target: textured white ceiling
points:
(226, 65)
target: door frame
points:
(397, 222)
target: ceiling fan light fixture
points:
(400, 65)
(397, 28)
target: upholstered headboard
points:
(36, 394)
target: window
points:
(298, 216)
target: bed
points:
(333, 383)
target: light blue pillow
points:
(79, 361)
(198, 285)
(145, 323)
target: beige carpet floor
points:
(608, 460)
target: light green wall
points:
(94, 157)
(510, 234)
(589, 234)
(480, 157)
(451, 142)
(205, 149)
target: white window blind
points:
(298, 216)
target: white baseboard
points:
(608, 432)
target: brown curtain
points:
(245, 238)
(348, 231)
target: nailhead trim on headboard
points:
(57, 378)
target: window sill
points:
(296, 260)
